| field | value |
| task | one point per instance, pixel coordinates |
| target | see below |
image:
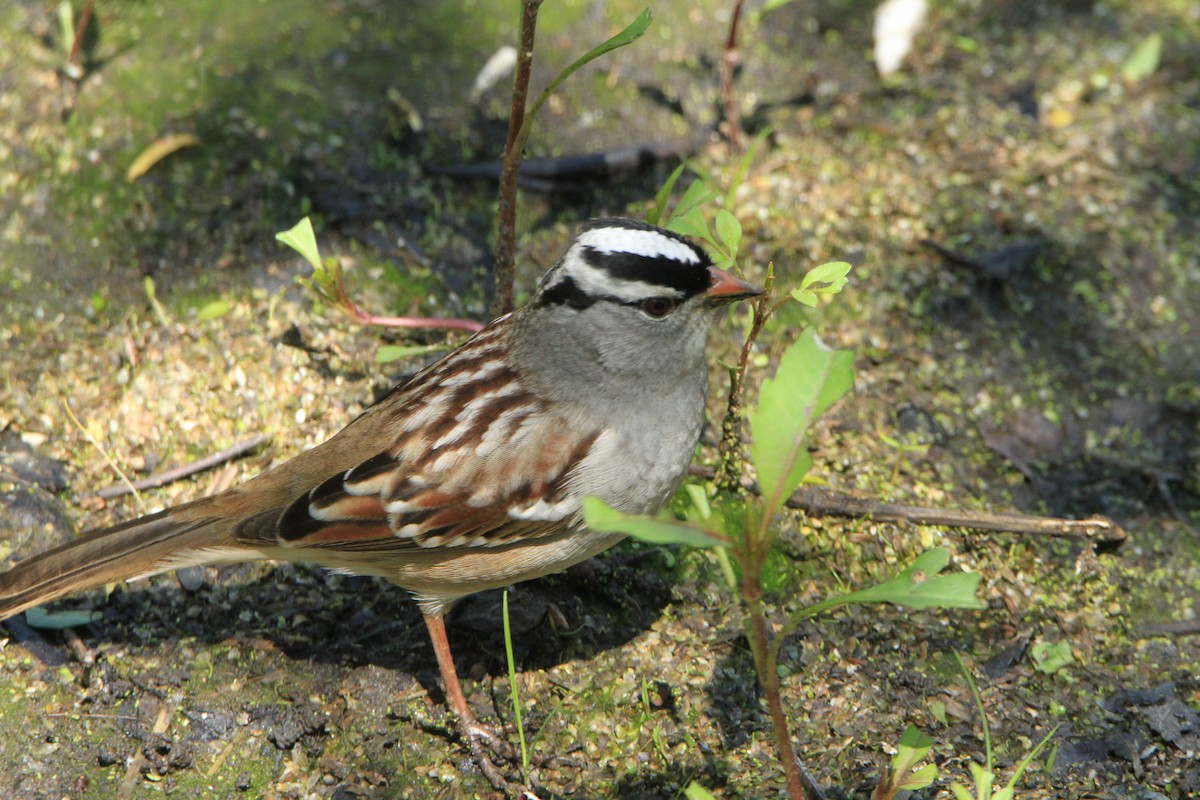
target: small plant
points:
(515, 692)
(327, 286)
(810, 378)
(984, 775)
(904, 774)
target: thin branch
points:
(823, 502)
(731, 57)
(504, 255)
(1100, 530)
(187, 470)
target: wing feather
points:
(427, 490)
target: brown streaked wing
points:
(424, 500)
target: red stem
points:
(506, 232)
(359, 314)
(732, 55)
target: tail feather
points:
(144, 546)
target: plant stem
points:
(728, 477)
(80, 30)
(361, 315)
(731, 57)
(504, 254)
(768, 673)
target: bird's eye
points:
(658, 307)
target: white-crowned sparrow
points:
(469, 476)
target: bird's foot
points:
(484, 743)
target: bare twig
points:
(1181, 628)
(1100, 530)
(816, 501)
(178, 473)
(506, 234)
(731, 57)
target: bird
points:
(470, 475)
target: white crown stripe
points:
(650, 244)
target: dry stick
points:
(1180, 628)
(728, 62)
(504, 255)
(818, 502)
(822, 501)
(178, 473)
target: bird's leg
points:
(470, 728)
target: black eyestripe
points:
(690, 279)
(567, 293)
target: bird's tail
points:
(169, 539)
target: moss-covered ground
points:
(1043, 361)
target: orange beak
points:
(728, 288)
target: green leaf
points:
(984, 778)
(828, 278)
(913, 739)
(515, 693)
(961, 792)
(699, 499)
(811, 377)
(913, 747)
(214, 309)
(1143, 61)
(658, 215)
(66, 25)
(697, 194)
(634, 31)
(937, 710)
(920, 778)
(743, 166)
(630, 34)
(601, 516)
(1049, 658)
(729, 230)
(690, 223)
(919, 586)
(771, 5)
(302, 239)
(394, 352)
(695, 791)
